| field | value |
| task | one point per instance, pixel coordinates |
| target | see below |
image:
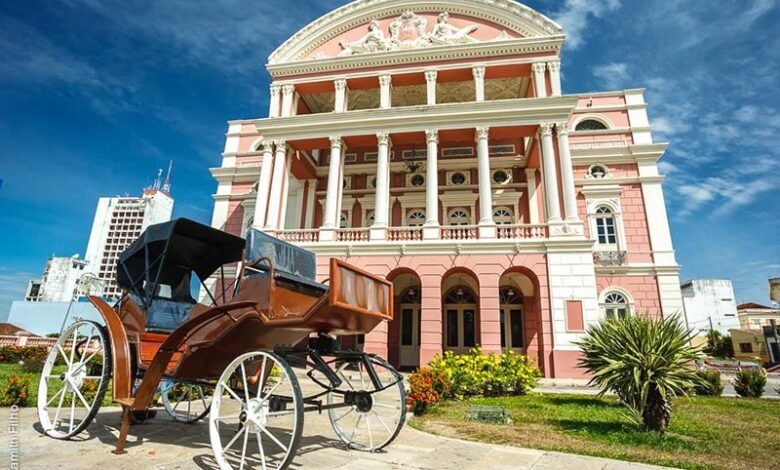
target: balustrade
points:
(299, 236)
(403, 234)
(352, 235)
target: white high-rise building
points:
(58, 281)
(118, 222)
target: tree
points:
(719, 345)
(644, 361)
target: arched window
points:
(615, 305)
(503, 216)
(590, 125)
(511, 317)
(605, 226)
(411, 296)
(415, 218)
(458, 216)
(459, 295)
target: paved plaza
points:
(165, 444)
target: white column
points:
(550, 173)
(485, 196)
(340, 85)
(381, 200)
(567, 173)
(385, 97)
(273, 105)
(479, 82)
(431, 228)
(539, 82)
(310, 201)
(555, 77)
(285, 192)
(330, 219)
(287, 98)
(533, 198)
(264, 185)
(277, 186)
(430, 82)
(340, 198)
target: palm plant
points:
(644, 361)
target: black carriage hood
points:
(175, 249)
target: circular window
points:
(590, 125)
(598, 171)
(458, 178)
(417, 180)
(500, 176)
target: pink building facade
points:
(430, 142)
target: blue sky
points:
(95, 96)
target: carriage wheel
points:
(256, 417)
(74, 380)
(186, 402)
(374, 418)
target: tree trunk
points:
(658, 412)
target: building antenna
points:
(166, 187)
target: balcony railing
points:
(352, 235)
(521, 231)
(404, 234)
(460, 232)
(300, 236)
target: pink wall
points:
(643, 289)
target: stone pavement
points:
(165, 444)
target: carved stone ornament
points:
(408, 31)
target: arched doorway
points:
(404, 331)
(511, 318)
(460, 319)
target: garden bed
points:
(705, 433)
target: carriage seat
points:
(165, 315)
(292, 264)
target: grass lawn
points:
(6, 370)
(705, 433)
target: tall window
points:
(458, 216)
(605, 226)
(511, 317)
(415, 218)
(615, 305)
(590, 125)
(503, 215)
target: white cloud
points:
(613, 75)
(575, 14)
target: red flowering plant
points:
(15, 391)
(426, 388)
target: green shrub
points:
(644, 361)
(15, 354)
(15, 391)
(425, 389)
(488, 374)
(750, 383)
(710, 385)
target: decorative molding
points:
(288, 89)
(385, 80)
(546, 128)
(538, 67)
(432, 136)
(482, 133)
(383, 138)
(478, 72)
(562, 128)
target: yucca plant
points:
(644, 361)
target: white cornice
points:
(512, 15)
(513, 112)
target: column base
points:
(431, 232)
(377, 233)
(327, 234)
(487, 230)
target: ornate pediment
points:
(409, 31)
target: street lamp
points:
(84, 285)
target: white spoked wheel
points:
(186, 402)
(372, 418)
(256, 417)
(74, 380)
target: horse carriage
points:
(265, 351)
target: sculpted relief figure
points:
(373, 41)
(444, 33)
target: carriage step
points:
(125, 401)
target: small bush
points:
(426, 388)
(750, 383)
(15, 354)
(710, 384)
(32, 366)
(15, 391)
(488, 374)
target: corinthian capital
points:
(268, 146)
(432, 135)
(383, 138)
(482, 133)
(385, 80)
(430, 75)
(275, 88)
(538, 67)
(562, 128)
(479, 72)
(554, 66)
(288, 89)
(335, 142)
(281, 145)
(546, 128)
(341, 84)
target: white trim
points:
(620, 290)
